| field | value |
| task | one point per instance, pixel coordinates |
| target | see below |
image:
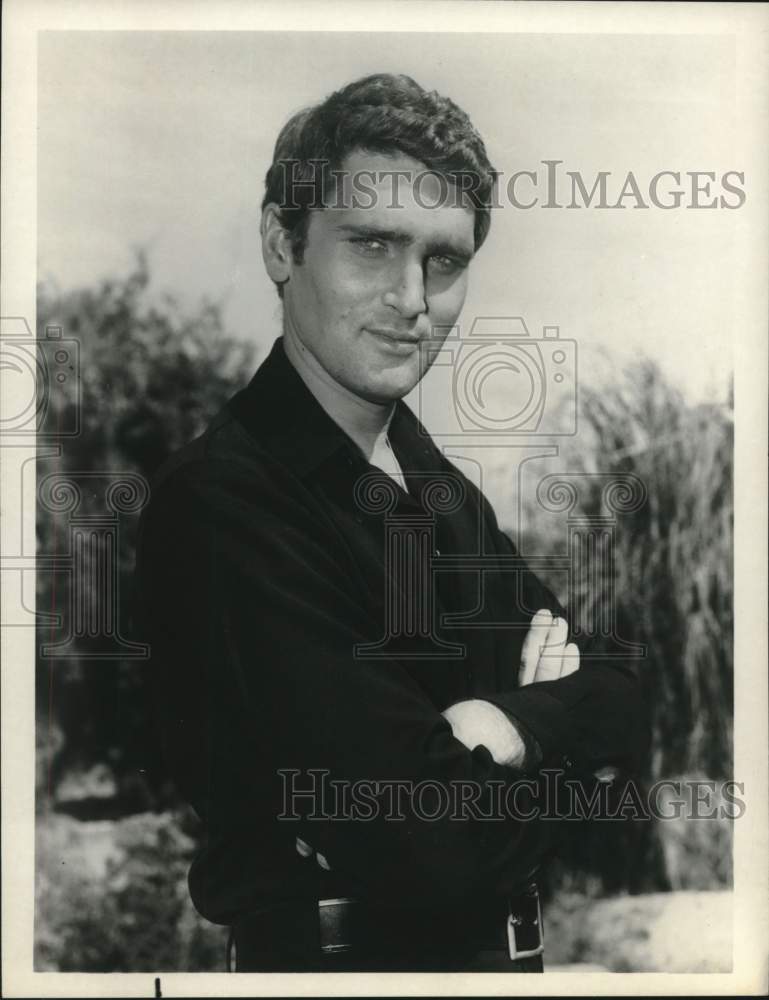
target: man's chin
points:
(390, 390)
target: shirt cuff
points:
(543, 723)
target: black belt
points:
(344, 934)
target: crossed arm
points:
(224, 545)
(546, 656)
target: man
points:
(268, 570)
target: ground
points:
(104, 887)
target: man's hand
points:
(477, 722)
(546, 656)
(303, 848)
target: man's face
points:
(375, 282)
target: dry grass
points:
(674, 560)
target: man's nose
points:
(407, 293)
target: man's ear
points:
(276, 246)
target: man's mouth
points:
(396, 343)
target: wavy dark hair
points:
(383, 113)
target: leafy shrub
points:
(112, 897)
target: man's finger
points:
(532, 644)
(303, 848)
(570, 660)
(306, 851)
(551, 656)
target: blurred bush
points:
(675, 932)
(670, 579)
(152, 375)
(151, 378)
(111, 890)
(673, 561)
(671, 584)
(112, 896)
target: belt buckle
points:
(517, 931)
(334, 932)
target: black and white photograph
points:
(383, 433)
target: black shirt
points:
(266, 589)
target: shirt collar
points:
(279, 411)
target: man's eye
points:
(367, 244)
(446, 265)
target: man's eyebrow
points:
(447, 248)
(460, 252)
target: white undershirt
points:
(383, 457)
